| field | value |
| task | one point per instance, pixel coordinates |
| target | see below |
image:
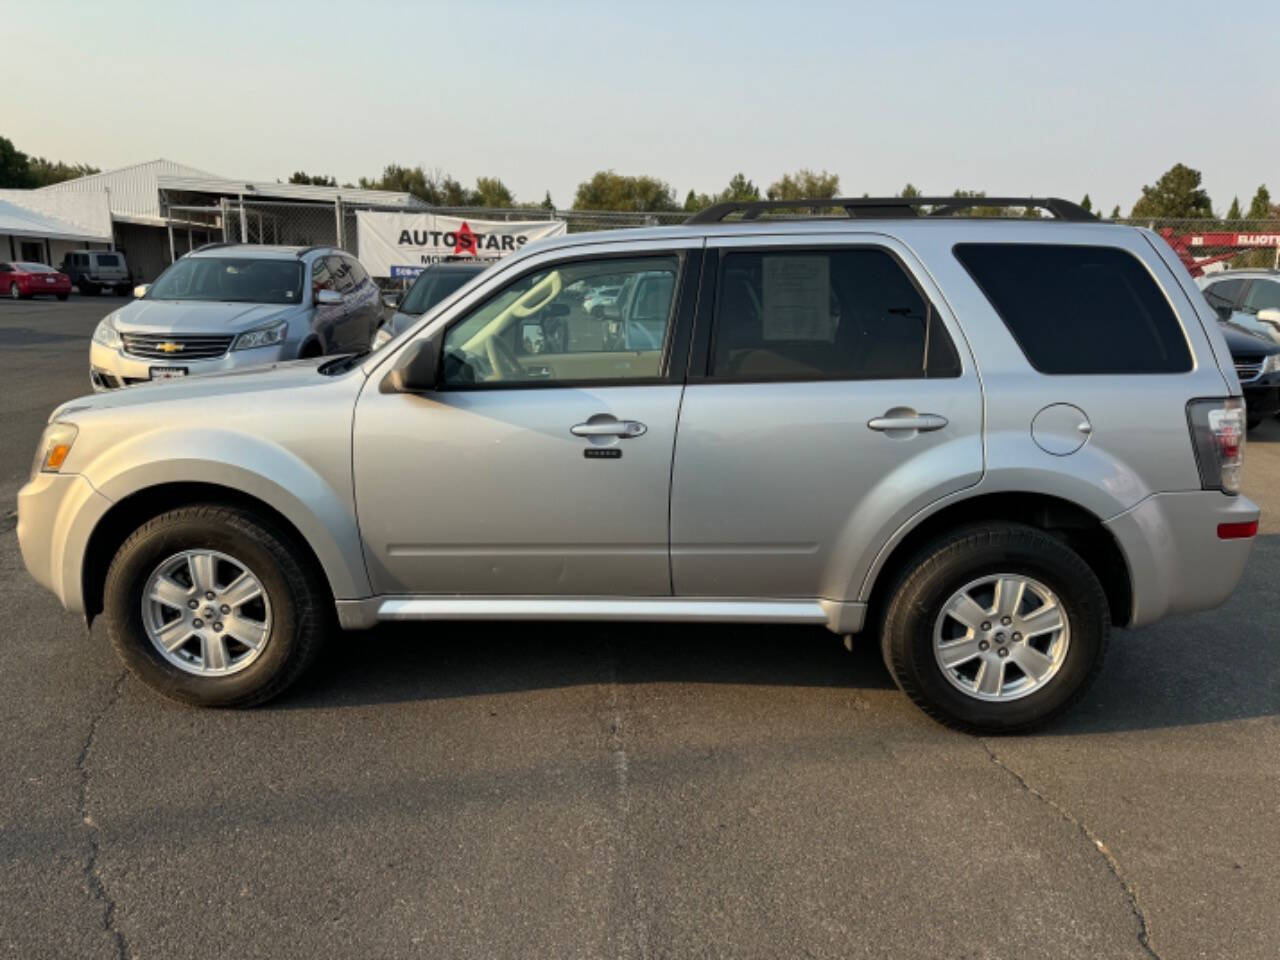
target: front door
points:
(829, 404)
(542, 465)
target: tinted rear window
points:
(107, 259)
(1079, 309)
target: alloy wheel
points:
(1001, 637)
(206, 613)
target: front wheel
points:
(14, 292)
(209, 605)
(996, 628)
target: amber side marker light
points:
(1237, 531)
(58, 453)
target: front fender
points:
(321, 509)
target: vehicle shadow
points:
(1266, 432)
(1212, 667)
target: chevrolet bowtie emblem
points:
(169, 347)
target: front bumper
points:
(57, 512)
(1177, 563)
(1262, 396)
(111, 368)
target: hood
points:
(196, 316)
(233, 384)
(1247, 335)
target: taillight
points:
(1217, 432)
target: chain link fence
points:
(1203, 245)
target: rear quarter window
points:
(1079, 309)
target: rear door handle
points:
(609, 428)
(919, 421)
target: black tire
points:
(946, 565)
(63, 296)
(14, 292)
(310, 350)
(87, 289)
(302, 612)
(1252, 423)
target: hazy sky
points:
(1058, 98)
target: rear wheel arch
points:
(128, 514)
(1080, 529)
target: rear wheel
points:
(997, 628)
(87, 288)
(209, 605)
(14, 292)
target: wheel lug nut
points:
(986, 626)
(983, 645)
(1016, 636)
(217, 627)
(1003, 652)
(197, 623)
(192, 604)
(208, 594)
(1006, 621)
(225, 609)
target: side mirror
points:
(611, 313)
(417, 370)
(1270, 315)
(391, 300)
(141, 289)
(1224, 313)
(328, 298)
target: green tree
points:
(1233, 213)
(1176, 194)
(694, 201)
(15, 168)
(910, 191)
(318, 180)
(980, 211)
(45, 172)
(1115, 212)
(1260, 205)
(400, 179)
(607, 190)
(492, 192)
(739, 190)
(546, 203)
(805, 184)
(1086, 204)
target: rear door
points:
(828, 400)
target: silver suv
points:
(980, 442)
(224, 307)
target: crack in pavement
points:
(1113, 865)
(94, 882)
(621, 771)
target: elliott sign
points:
(402, 244)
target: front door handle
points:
(916, 421)
(609, 428)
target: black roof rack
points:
(892, 208)
(314, 247)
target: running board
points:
(837, 616)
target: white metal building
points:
(159, 210)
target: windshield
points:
(431, 287)
(239, 280)
(33, 268)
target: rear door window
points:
(839, 314)
(1079, 309)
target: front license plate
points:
(168, 373)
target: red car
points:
(32, 279)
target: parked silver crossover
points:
(224, 307)
(978, 442)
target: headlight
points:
(106, 333)
(383, 337)
(262, 337)
(55, 445)
(1271, 364)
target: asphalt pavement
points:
(608, 791)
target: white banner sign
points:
(402, 244)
